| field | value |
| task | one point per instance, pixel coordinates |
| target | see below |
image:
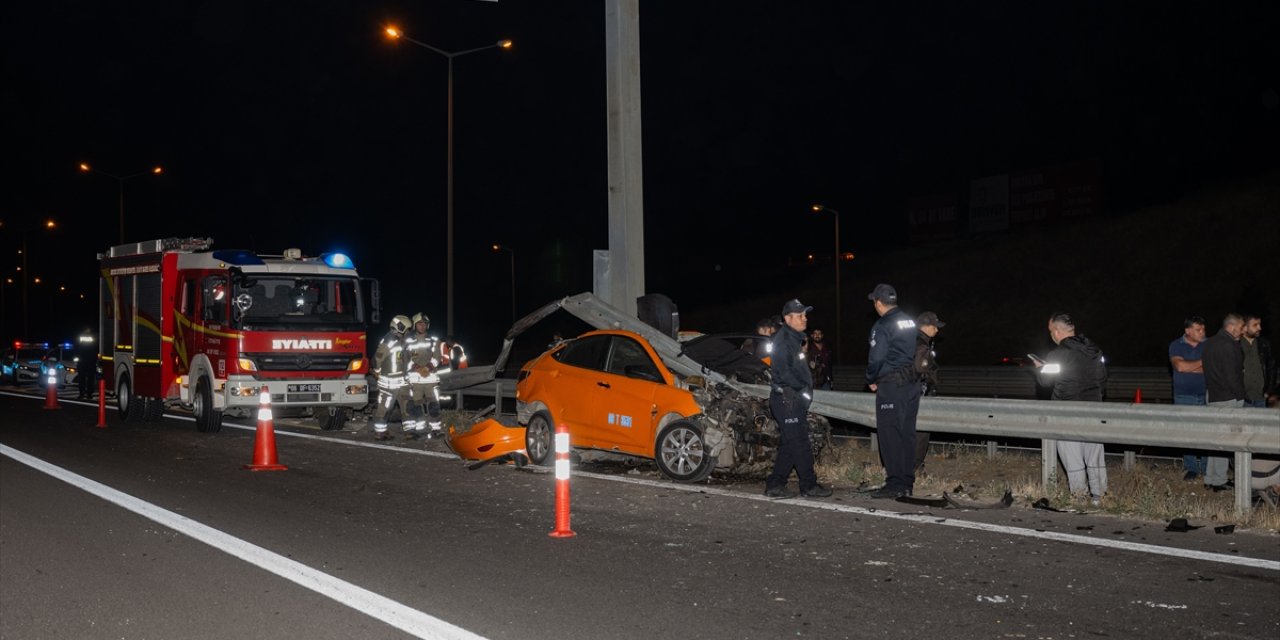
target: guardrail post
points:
(1049, 461)
(991, 449)
(497, 398)
(1129, 459)
(457, 400)
(1244, 476)
(875, 442)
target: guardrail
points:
(1019, 382)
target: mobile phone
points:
(1034, 357)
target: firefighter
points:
(390, 363)
(424, 361)
(86, 365)
(452, 355)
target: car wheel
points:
(682, 453)
(208, 419)
(539, 438)
(332, 421)
(127, 403)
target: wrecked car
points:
(616, 394)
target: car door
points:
(624, 410)
(570, 393)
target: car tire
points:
(332, 421)
(539, 440)
(681, 452)
(208, 419)
(127, 406)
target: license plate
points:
(304, 388)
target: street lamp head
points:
(497, 247)
(85, 168)
(158, 170)
(49, 224)
(505, 44)
(818, 207)
(392, 33)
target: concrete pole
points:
(626, 176)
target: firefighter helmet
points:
(400, 324)
(421, 317)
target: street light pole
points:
(157, 170)
(819, 207)
(397, 34)
(498, 247)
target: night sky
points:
(300, 124)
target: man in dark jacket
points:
(892, 376)
(789, 398)
(1078, 371)
(1223, 363)
(926, 364)
(1259, 364)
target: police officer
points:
(789, 398)
(86, 365)
(926, 364)
(390, 363)
(892, 376)
(424, 360)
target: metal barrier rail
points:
(1019, 382)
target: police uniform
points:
(422, 351)
(890, 367)
(391, 364)
(790, 394)
(926, 365)
(86, 366)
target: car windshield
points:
(306, 303)
(30, 355)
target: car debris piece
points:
(1004, 502)
(1224, 529)
(1180, 525)
(1043, 505)
(487, 441)
(924, 501)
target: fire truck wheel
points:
(126, 401)
(208, 419)
(682, 452)
(332, 421)
(539, 440)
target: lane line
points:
(379, 607)
(1070, 538)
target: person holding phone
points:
(1077, 370)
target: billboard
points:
(989, 204)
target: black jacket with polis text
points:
(788, 368)
(893, 346)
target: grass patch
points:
(1150, 491)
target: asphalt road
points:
(413, 536)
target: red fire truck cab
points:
(209, 330)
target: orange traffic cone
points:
(51, 396)
(1137, 396)
(264, 447)
(102, 404)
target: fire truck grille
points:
(300, 361)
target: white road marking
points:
(1137, 547)
(406, 619)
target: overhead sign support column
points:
(626, 184)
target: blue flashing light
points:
(237, 257)
(338, 261)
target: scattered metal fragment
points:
(957, 502)
(1225, 529)
(922, 501)
(1180, 525)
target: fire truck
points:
(184, 324)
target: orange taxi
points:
(615, 394)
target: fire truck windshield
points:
(299, 303)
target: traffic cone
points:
(1137, 396)
(51, 396)
(102, 404)
(264, 446)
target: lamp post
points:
(498, 247)
(396, 34)
(156, 170)
(820, 208)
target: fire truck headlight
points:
(246, 364)
(357, 364)
(246, 392)
(357, 389)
